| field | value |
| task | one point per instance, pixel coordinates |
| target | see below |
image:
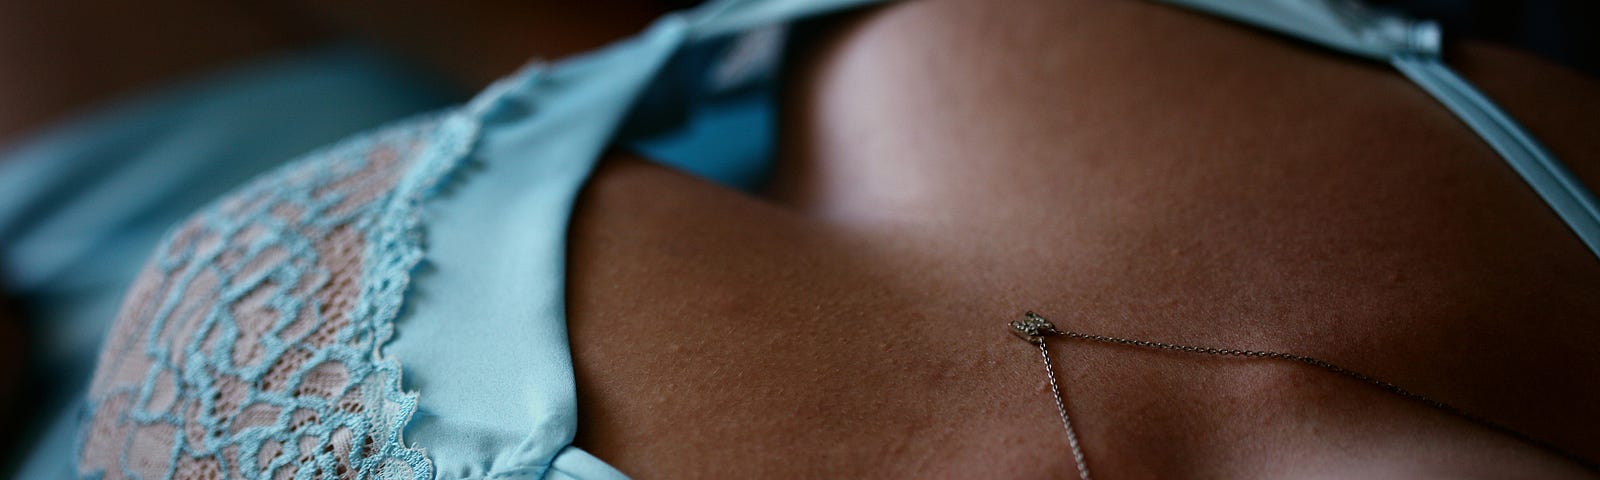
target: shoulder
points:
(1558, 105)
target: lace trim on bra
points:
(251, 346)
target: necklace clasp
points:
(1033, 328)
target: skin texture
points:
(1120, 167)
(1125, 169)
(62, 57)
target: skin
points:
(1124, 169)
(61, 58)
(1121, 167)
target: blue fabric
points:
(1548, 177)
(1347, 26)
(485, 334)
(1412, 47)
(274, 330)
(482, 336)
(244, 304)
(710, 112)
(494, 290)
(494, 293)
(87, 200)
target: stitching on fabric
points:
(263, 258)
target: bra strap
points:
(1413, 48)
(1557, 185)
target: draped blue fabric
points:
(469, 269)
(85, 201)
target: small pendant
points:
(1033, 328)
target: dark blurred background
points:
(1564, 31)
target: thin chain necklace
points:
(1034, 328)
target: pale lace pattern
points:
(251, 345)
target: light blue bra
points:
(83, 202)
(470, 238)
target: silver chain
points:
(1061, 406)
(1034, 328)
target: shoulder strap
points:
(1413, 48)
(1548, 176)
